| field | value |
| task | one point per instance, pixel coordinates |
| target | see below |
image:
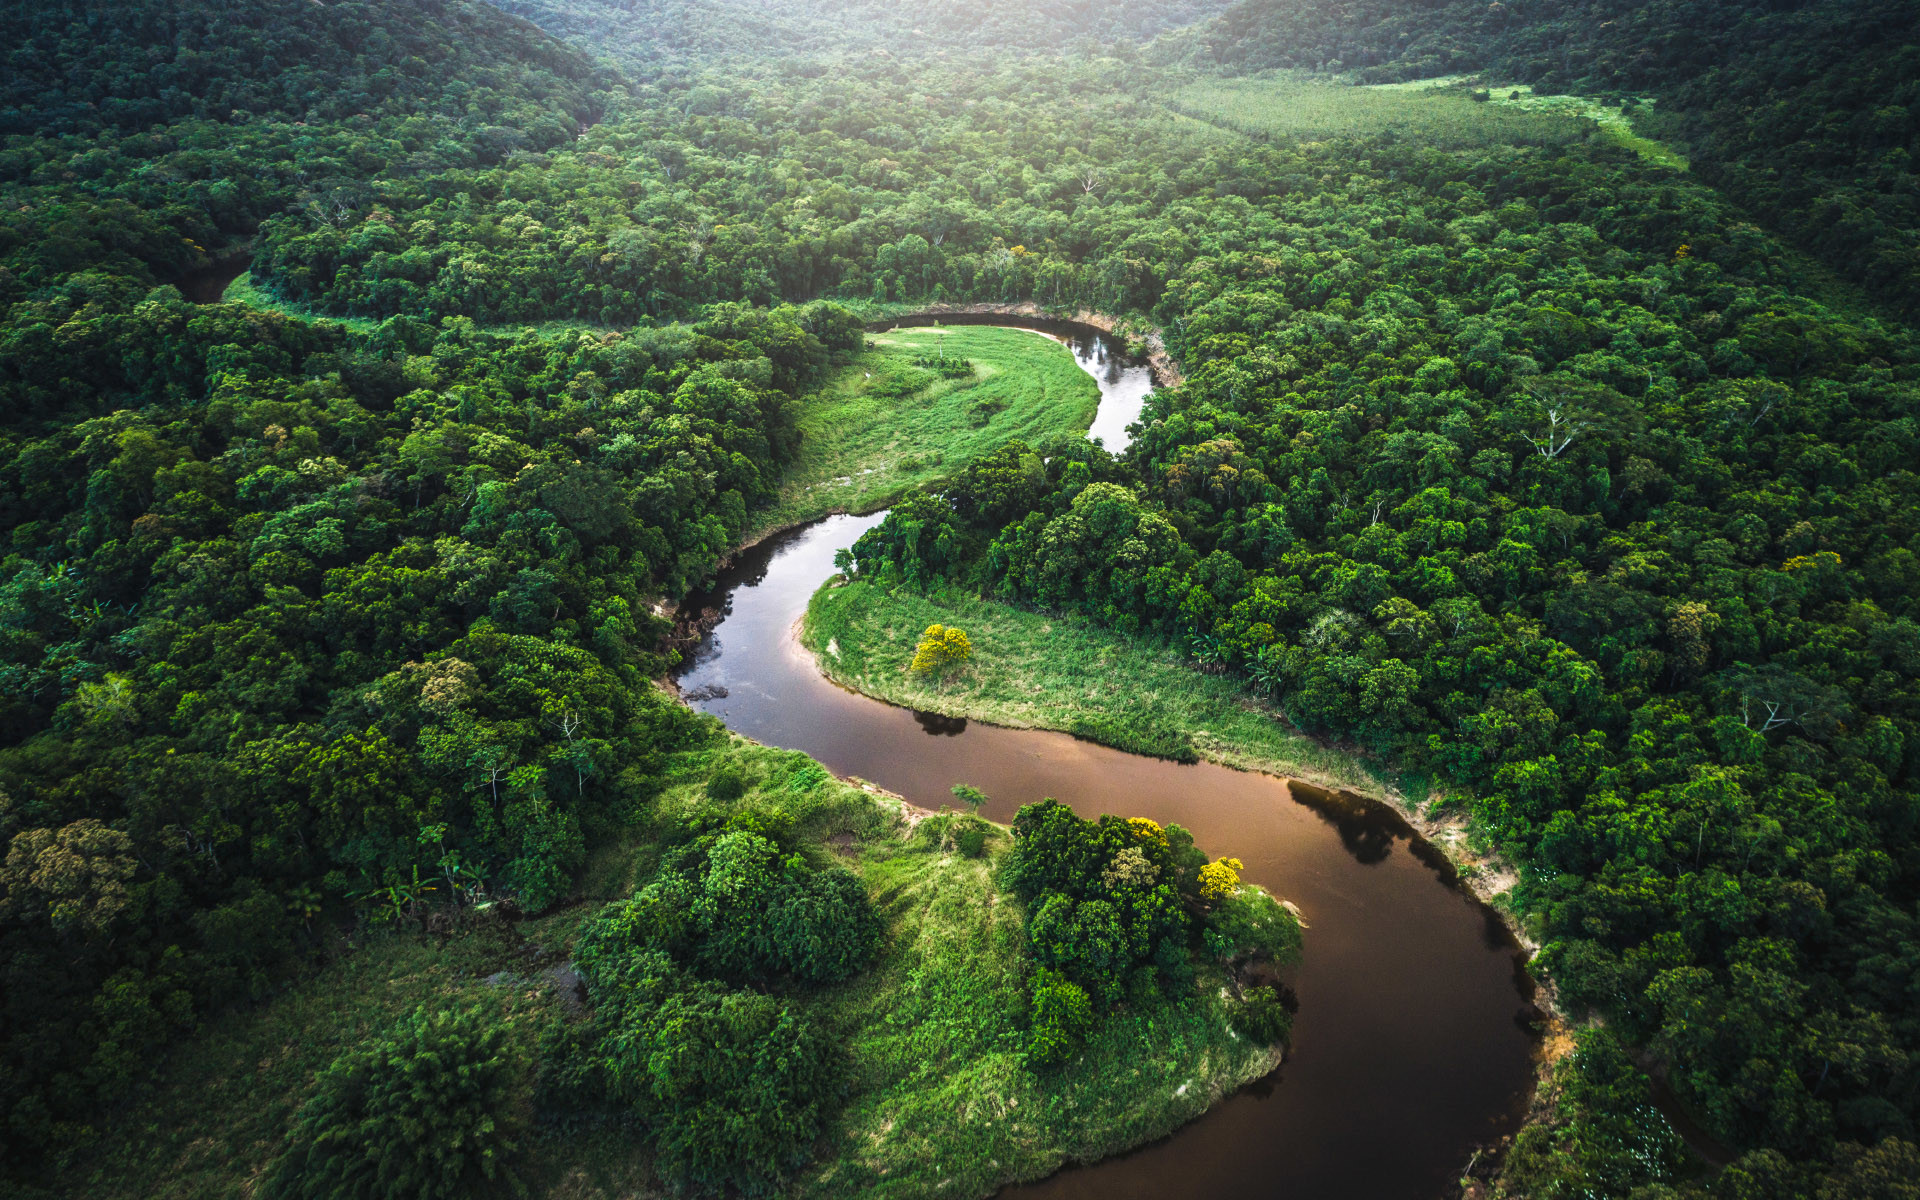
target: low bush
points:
(730, 1084)
(429, 1109)
(1262, 1016)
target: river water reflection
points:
(1411, 1044)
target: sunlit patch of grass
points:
(884, 427)
(1054, 672)
(244, 290)
(1298, 104)
(1611, 118)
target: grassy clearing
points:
(1297, 104)
(884, 427)
(243, 290)
(1033, 670)
(939, 1100)
(942, 1103)
(1611, 118)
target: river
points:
(1412, 1043)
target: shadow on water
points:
(938, 725)
(1367, 828)
(1411, 1044)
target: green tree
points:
(432, 1107)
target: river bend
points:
(1412, 1043)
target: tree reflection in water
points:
(940, 726)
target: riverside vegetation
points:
(899, 1012)
(1519, 459)
(892, 421)
(1058, 671)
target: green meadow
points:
(1055, 672)
(884, 426)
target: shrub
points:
(1262, 1016)
(1252, 924)
(759, 913)
(941, 649)
(427, 1110)
(1062, 1015)
(729, 783)
(744, 914)
(971, 840)
(730, 1084)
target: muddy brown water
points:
(1411, 1046)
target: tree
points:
(1220, 879)
(1564, 409)
(75, 876)
(941, 649)
(1062, 1015)
(430, 1108)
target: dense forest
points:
(755, 36)
(1806, 114)
(1542, 472)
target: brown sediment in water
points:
(1441, 996)
(1394, 936)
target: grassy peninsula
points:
(1035, 670)
(888, 424)
(937, 1097)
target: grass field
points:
(243, 290)
(884, 427)
(1611, 118)
(942, 1103)
(1049, 672)
(939, 1101)
(1300, 105)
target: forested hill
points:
(1807, 114)
(144, 136)
(74, 66)
(747, 33)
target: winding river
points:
(1411, 1046)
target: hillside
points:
(1806, 114)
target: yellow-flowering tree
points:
(1220, 879)
(941, 649)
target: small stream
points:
(1412, 1043)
